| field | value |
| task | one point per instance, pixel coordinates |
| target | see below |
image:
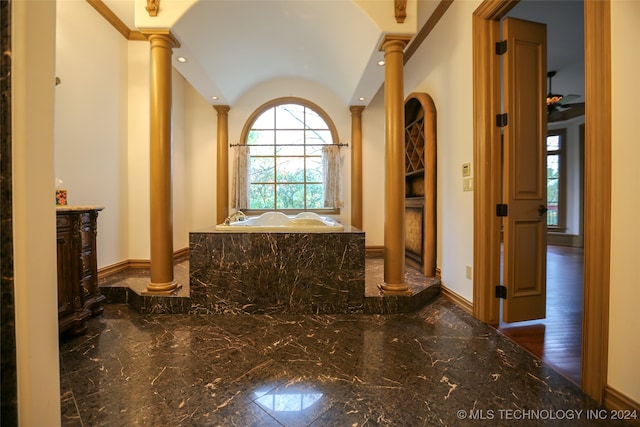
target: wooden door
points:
(525, 230)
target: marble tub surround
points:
(428, 368)
(277, 272)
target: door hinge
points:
(501, 292)
(502, 209)
(501, 47)
(501, 120)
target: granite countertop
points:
(64, 208)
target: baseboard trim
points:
(109, 270)
(457, 299)
(616, 401)
(375, 251)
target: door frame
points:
(597, 197)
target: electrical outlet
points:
(469, 272)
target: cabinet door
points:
(66, 287)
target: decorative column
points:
(222, 172)
(356, 165)
(394, 209)
(161, 237)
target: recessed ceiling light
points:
(182, 59)
(380, 63)
(215, 98)
(362, 98)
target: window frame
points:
(275, 103)
(562, 179)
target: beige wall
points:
(34, 224)
(137, 166)
(200, 135)
(91, 120)
(624, 326)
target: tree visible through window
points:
(285, 158)
(555, 193)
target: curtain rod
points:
(289, 145)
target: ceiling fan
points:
(559, 107)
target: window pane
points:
(261, 169)
(266, 120)
(318, 137)
(553, 166)
(314, 121)
(314, 169)
(292, 142)
(290, 169)
(261, 150)
(257, 137)
(553, 194)
(315, 196)
(553, 142)
(261, 196)
(290, 116)
(290, 196)
(286, 158)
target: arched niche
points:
(420, 174)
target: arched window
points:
(289, 141)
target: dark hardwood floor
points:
(557, 340)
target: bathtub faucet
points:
(235, 217)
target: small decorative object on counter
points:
(61, 195)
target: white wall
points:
(624, 323)
(33, 204)
(91, 120)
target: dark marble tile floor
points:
(437, 366)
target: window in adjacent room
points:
(291, 149)
(556, 179)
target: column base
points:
(167, 288)
(396, 289)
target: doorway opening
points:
(557, 338)
(597, 172)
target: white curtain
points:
(332, 176)
(240, 190)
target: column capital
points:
(356, 109)
(391, 41)
(222, 109)
(159, 34)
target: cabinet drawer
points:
(63, 221)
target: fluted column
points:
(161, 237)
(356, 165)
(394, 227)
(222, 171)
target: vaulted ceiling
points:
(232, 46)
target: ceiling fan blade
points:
(567, 99)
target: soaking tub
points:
(278, 222)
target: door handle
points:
(542, 209)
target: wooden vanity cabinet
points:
(79, 297)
